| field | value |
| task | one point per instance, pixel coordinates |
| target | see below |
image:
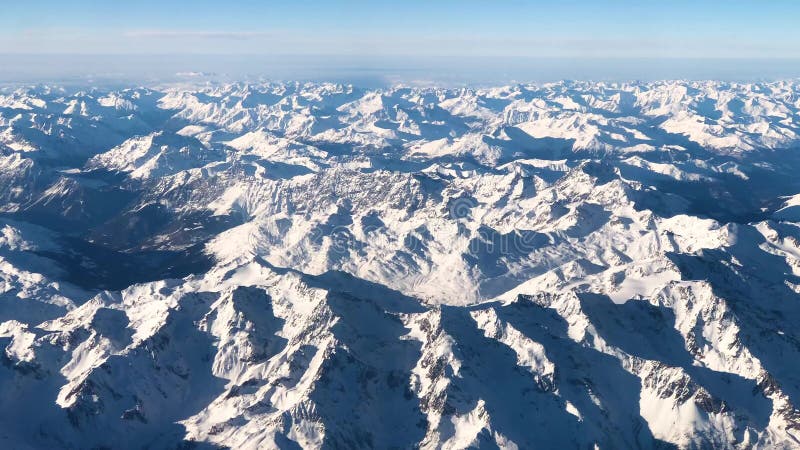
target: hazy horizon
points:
(380, 70)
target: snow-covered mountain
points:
(288, 265)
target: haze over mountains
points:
(115, 71)
(318, 265)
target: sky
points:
(372, 35)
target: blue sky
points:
(501, 39)
(578, 28)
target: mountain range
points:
(317, 265)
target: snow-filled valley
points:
(310, 265)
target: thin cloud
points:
(195, 34)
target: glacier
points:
(318, 265)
